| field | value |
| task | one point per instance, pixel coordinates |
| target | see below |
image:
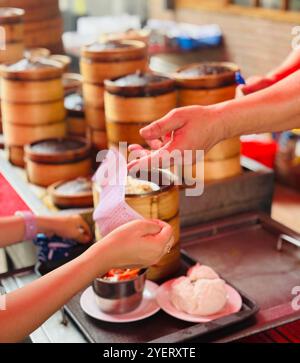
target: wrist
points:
(99, 259)
(222, 120)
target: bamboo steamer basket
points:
(213, 170)
(95, 117)
(207, 89)
(75, 193)
(97, 138)
(93, 94)
(16, 156)
(20, 135)
(51, 160)
(100, 61)
(164, 205)
(133, 101)
(12, 34)
(15, 91)
(33, 114)
(75, 115)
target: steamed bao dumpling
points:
(201, 292)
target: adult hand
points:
(70, 227)
(139, 244)
(187, 128)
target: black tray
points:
(160, 328)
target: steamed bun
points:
(201, 293)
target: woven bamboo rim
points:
(64, 156)
(206, 81)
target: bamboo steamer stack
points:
(43, 23)
(134, 101)
(12, 35)
(11, 38)
(32, 100)
(101, 61)
(162, 204)
(76, 123)
(206, 84)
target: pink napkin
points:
(112, 210)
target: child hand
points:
(71, 227)
(139, 243)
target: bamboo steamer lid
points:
(100, 61)
(57, 150)
(20, 135)
(75, 193)
(33, 114)
(139, 97)
(206, 75)
(32, 70)
(114, 51)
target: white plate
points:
(147, 308)
(234, 304)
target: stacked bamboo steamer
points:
(76, 123)
(51, 160)
(101, 61)
(134, 101)
(162, 204)
(32, 100)
(206, 84)
(43, 23)
(11, 35)
(11, 38)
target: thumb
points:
(162, 127)
(150, 227)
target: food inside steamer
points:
(117, 275)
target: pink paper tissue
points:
(112, 210)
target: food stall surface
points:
(53, 330)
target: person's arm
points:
(137, 244)
(276, 108)
(12, 229)
(290, 65)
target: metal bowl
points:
(122, 296)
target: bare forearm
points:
(290, 65)
(12, 229)
(29, 307)
(274, 109)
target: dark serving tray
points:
(257, 255)
(160, 328)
